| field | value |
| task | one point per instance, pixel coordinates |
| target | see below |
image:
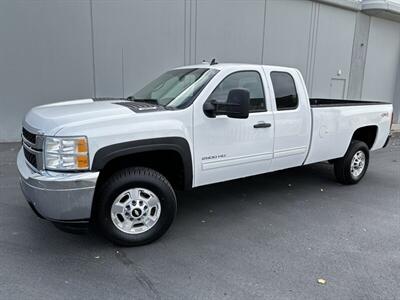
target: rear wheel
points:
(135, 206)
(351, 168)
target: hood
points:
(49, 119)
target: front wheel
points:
(351, 168)
(135, 206)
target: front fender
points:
(178, 144)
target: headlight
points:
(69, 153)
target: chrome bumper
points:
(57, 196)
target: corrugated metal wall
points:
(57, 50)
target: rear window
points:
(285, 91)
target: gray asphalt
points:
(269, 237)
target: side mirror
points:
(237, 105)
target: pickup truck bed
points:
(335, 122)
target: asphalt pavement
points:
(266, 237)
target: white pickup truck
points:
(117, 161)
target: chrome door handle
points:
(262, 125)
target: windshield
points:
(176, 88)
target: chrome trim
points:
(31, 150)
(39, 157)
(26, 142)
(30, 128)
(39, 136)
(39, 142)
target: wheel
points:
(135, 206)
(351, 168)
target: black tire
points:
(343, 165)
(132, 178)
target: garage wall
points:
(45, 55)
(288, 38)
(229, 30)
(134, 41)
(383, 60)
(68, 49)
(332, 57)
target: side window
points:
(249, 80)
(285, 91)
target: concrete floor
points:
(268, 237)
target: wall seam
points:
(123, 72)
(365, 57)
(92, 42)
(195, 32)
(396, 97)
(314, 46)
(354, 57)
(264, 32)
(353, 53)
(184, 32)
(190, 31)
(310, 37)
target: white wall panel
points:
(287, 38)
(231, 31)
(150, 34)
(334, 46)
(45, 56)
(383, 59)
(49, 50)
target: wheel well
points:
(366, 134)
(168, 162)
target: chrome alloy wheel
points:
(357, 163)
(135, 210)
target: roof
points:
(388, 9)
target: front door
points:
(227, 148)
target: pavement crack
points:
(140, 275)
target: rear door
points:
(292, 117)
(227, 148)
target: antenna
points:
(213, 62)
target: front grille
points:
(30, 157)
(33, 145)
(29, 136)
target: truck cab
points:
(275, 135)
(117, 162)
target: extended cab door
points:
(227, 148)
(292, 115)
